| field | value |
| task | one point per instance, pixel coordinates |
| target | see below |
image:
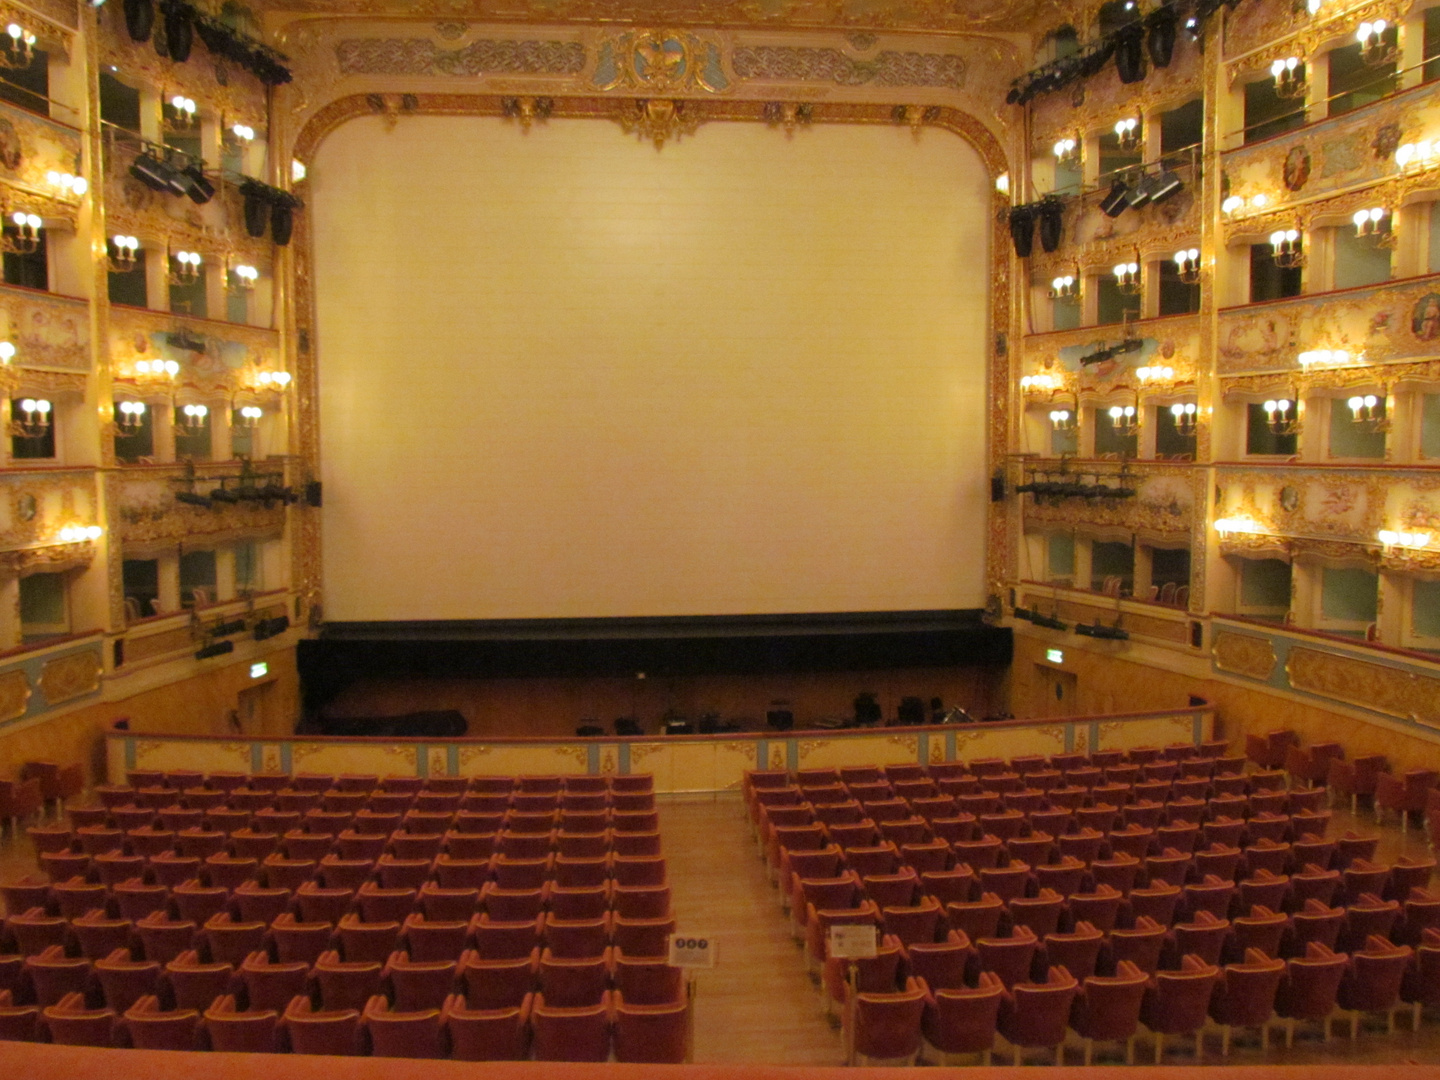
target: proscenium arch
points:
(1001, 530)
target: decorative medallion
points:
(1386, 141)
(1296, 170)
(659, 119)
(660, 61)
(70, 677)
(1425, 317)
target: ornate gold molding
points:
(14, 695)
(68, 677)
(1378, 687)
(1244, 654)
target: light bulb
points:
(1259, 200)
(1371, 401)
(1363, 33)
(1360, 217)
(33, 220)
(283, 378)
(1116, 412)
(7, 352)
(1284, 404)
(1405, 154)
(1276, 68)
(42, 407)
(14, 31)
(172, 367)
(1271, 406)
(1355, 403)
(92, 532)
(1231, 204)
(1277, 238)
(28, 405)
(80, 185)
(1376, 213)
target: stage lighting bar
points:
(1099, 630)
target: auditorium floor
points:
(759, 1006)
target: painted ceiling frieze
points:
(421, 56)
(792, 64)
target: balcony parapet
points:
(31, 147)
(1144, 620)
(1172, 340)
(50, 332)
(151, 522)
(1393, 323)
(1162, 509)
(217, 363)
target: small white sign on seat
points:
(692, 951)
(853, 941)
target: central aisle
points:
(757, 1004)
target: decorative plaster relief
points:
(68, 677)
(47, 331)
(14, 695)
(1244, 654)
(777, 63)
(1390, 690)
(422, 56)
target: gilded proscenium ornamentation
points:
(659, 119)
(1244, 654)
(1378, 687)
(527, 110)
(659, 62)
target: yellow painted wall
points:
(1107, 684)
(197, 706)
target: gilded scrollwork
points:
(68, 677)
(1244, 654)
(14, 694)
(1393, 691)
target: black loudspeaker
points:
(1161, 42)
(179, 32)
(997, 487)
(257, 214)
(139, 19)
(1130, 53)
(219, 648)
(1052, 218)
(268, 628)
(1022, 230)
(282, 223)
(312, 493)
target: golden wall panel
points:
(333, 758)
(1385, 689)
(1244, 654)
(14, 695)
(694, 767)
(818, 752)
(68, 677)
(542, 759)
(205, 754)
(47, 331)
(1114, 735)
(1009, 742)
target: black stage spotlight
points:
(139, 19)
(179, 31)
(1161, 42)
(1165, 184)
(1130, 53)
(268, 628)
(1052, 216)
(1140, 194)
(257, 211)
(1022, 230)
(282, 223)
(1115, 203)
(218, 648)
(200, 189)
(190, 498)
(224, 495)
(152, 172)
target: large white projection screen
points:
(565, 374)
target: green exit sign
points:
(1055, 656)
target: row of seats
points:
(631, 1032)
(182, 779)
(476, 817)
(897, 1018)
(115, 797)
(157, 936)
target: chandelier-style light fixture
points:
(184, 268)
(129, 416)
(123, 253)
(1186, 416)
(33, 421)
(17, 48)
(1187, 262)
(1368, 411)
(1282, 416)
(1289, 76)
(1286, 248)
(24, 236)
(1129, 133)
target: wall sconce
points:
(26, 235)
(1187, 262)
(1067, 152)
(250, 416)
(1038, 383)
(1373, 49)
(1311, 6)
(180, 111)
(1392, 539)
(1312, 358)
(66, 183)
(243, 278)
(1232, 205)
(184, 268)
(1126, 420)
(7, 353)
(1375, 225)
(1065, 287)
(121, 254)
(273, 380)
(1416, 156)
(1129, 133)
(1002, 183)
(1368, 411)
(130, 416)
(77, 534)
(1286, 248)
(241, 132)
(1289, 76)
(34, 420)
(1154, 374)
(1186, 416)
(193, 417)
(1226, 526)
(19, 47)
(1062, 420)
(1127, 276)
(157, 369)
(1282, 416)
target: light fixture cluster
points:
(1155, 373)
(185, 267)
(182, 111)
(67, 183)
(194, 417)
(1373, 48)
(244, 276)
(1227, 525)
(1153, 187)
(1368, 411)
(1064, 287)
(131, 415)
(243, 132)
(1373, 223)
(1039, 383)
(250, 415)
(76, 534)
(18, 49)
(1236, 204)
(1124, 419)
(1392, 539)
(1062, 419)
(277, 380)
(1289, 76)
(1187, 264)
(1322, 358)
(124, 250)
(1066, 151)
(24, 235)
(1417, 156)
(165, 369)
(34, 419)
(166, 170)
(1127, 276)
(1286, 248)
(1048, 213)
(1282, 416)
(1129, 133)
(1186, 416)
